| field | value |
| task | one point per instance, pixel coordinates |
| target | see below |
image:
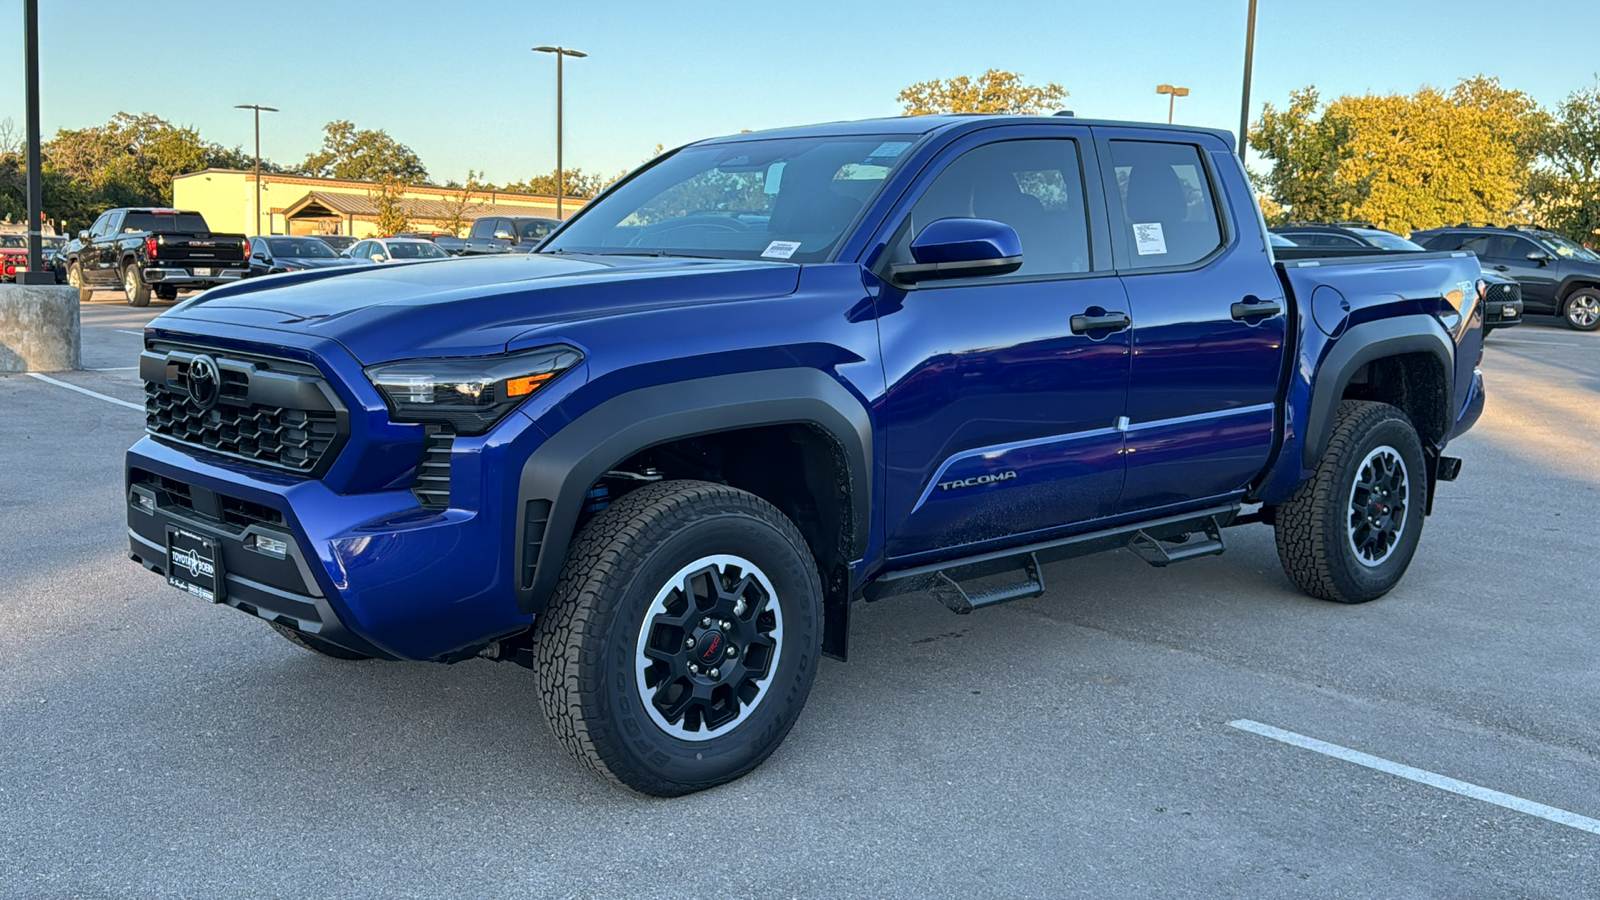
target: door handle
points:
(1085, 322)
(1502, 268)
(1256, 309)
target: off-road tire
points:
(315, 644)
(75, 278)
(586, 641)
(133, 286)
(1314, 527)
(1577, 310)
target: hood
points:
(472, 306)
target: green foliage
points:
(366, 155)
(461, 203)
(1306, 151)
(577, 183)
(392, 218)
(1564, 187)
(994, 91)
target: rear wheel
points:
(75, 278)
(1348, 534)
(315, 644)
(137, 292)
(682, 638)
(1582, 309)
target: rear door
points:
(1209, 323)
(1001, 416)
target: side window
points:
(1167, 211)
(481, 229)
(1508, 247)
(359, 251)
(114, 223)
(1474, 243)
(258, 248)
(99, 227)
(503, 229)
(1035, 186)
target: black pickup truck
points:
(158, 251)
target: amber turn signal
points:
(521, 387)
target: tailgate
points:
(199, 249)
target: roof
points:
(921, 125)
(363, 206)
(290, 178)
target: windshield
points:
(779, 198)
(52, 243)
(1568, 250)
(13, 242)
(300, 248)
(191, 223)
(415, 250)
(1385, 240)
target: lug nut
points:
(688, 643)
(723, 624)
(694, 669)
(715, 673)
(705, 622)
(732, 651)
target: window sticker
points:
(1147, 237)
(780, 250)
(890, 149)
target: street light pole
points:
(30, 31)
(561, 174)
(1249, 57)
(1173, 93)
(259, 110)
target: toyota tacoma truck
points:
(160, 251)
(770, 375)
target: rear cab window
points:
(165, 220)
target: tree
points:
(994, 91)
(392, 218)
(1307, 150)
(1564, 187)
(460, 203)
(366, 155)
(576, 182)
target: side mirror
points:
(961, 248)
(379, 257)
(502, 235)
(1540, 257)
(83, 235)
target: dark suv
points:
(1502, 300)
(1558, 277)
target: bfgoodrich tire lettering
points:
(1348, 534)
(588, 641)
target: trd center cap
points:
(711, 647)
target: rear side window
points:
(1168, 214)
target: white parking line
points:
(73, 387)
(134, 333)
(1555, 343)
(1422, 776)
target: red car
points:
(13, 256)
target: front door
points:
(1001, 418)
(1209, 318)
(1507, 254)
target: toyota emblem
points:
(205, 382)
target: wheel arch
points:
(1406, 361)
(1571, 285)
(827, 417)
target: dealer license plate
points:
(194, 564)
(203, 273)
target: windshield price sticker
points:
(780, 250)
(890, 149)
(1148, 239)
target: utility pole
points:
(1173, 93)
(561, 174)
(1244, 103)
(259, 110)
(30, 30)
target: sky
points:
(458, 83)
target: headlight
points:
(469, 394)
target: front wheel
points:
(1348, 534)
(75, 278)
(137, 292)
(682, 639)
(1582, 310)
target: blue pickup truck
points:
(769, 375)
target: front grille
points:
(432, 483)
(1497, 292)
(236, 513)
(274, 412)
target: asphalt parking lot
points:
(1078, 744)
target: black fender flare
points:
(562, 470)
(1360, 345)
(1573, 282)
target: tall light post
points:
(259, 110)
(561, 175)
(1249, 57)
(1173, 93)
(36, 273)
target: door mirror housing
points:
(83, 235)
(961, 248)
(1540, 257)
(502, 235)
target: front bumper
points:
(1502, 315)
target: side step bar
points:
(986, 579)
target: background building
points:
(296, 204)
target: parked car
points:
(1558, 276)
(657, 460)
(153, 251)
(445, 241)
(395, 249)
(13, 256)
(277, 254)
(339, 242)
(503, 234)
(1502, 300)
